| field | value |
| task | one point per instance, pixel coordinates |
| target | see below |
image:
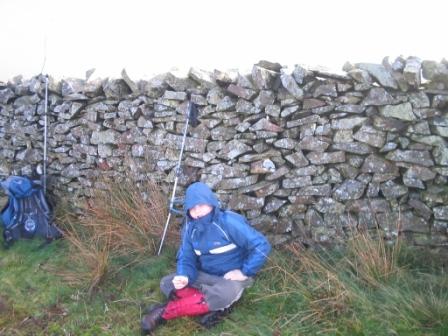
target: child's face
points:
(200, 210)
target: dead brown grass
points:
(320, 284)
(89, 257)
(330, 284)
(122, 221)
(132, 222)
(372, 259)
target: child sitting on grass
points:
(219, 255)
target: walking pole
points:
(191, 114)
(45, 136)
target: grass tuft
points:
(120, 224)
(371, 258)
(318, 280)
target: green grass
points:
(291, 296)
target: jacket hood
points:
(199, 193)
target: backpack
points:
(27, 213)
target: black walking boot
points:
(211, 319)
(152, 318)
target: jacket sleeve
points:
(254, 243)
(186, 258)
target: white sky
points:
(150, 37)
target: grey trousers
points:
(219, 293)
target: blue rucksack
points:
(27, 213)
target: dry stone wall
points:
(303, 153)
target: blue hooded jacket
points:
(218, 242)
